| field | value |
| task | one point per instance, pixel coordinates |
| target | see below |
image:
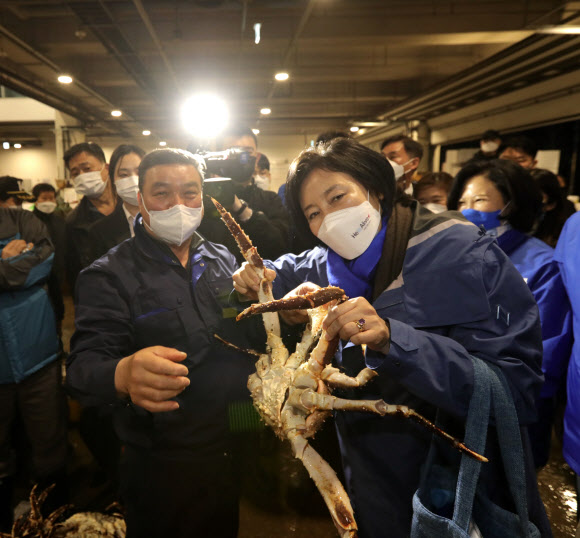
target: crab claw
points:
(298, 302)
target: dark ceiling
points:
(349, 61)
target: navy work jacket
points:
(138, 295)
(458, 294)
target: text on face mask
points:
(362, 226)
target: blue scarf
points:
(356, 276)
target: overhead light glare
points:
(265, 110)
(65, 79)
(146, 132)
(6, 145)
(163, 143)
(205, 115)
(116, 113)
(256, 131)
(354, 129)
(257, 30)
(281, 76)
(567, 30)
(17, 145)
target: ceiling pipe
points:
(147, 22)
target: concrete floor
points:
(306, 515)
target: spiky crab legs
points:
(292, 393)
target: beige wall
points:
(34, 165)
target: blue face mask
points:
(488, 219)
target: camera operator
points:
(261, 213)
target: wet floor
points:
(298, 509)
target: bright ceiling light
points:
(354, 129)
(205, 115)
(17, 145)
(265, 110)
(257, 29)
(146, 132)
(65, 79)
(116, 113)
(281, 76)
(256, 131)
(163, 143)
(6, 145)
(567, 30)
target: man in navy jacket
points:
(146, 317)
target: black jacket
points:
(267, 227)
(108, 232)
(78, 248)
(138, 295)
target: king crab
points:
(293, 391)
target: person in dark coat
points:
(30, 372)
(45, 208)
(261, 213)
(89, 172)
(118, 226)
(146, 315)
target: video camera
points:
(234, 163)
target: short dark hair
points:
(88, 147)
(169, 156)
(347, 156)
(39, 188)
(521, 195)
(490, 134)
(412, 147)
(119, 153)
(523, 143)
(238, 131)
(263, 162)
(442, 180)
(327, 136)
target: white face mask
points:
(489, 147)
(435, 208)
(398, 169)
(127, 188)
(262, 182)
(350, 231)
(46, 207)
(176, 224)
(90, 184)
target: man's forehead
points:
(394, 147)
(81, 158)
(245, 141)
(181, 173)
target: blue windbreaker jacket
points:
(568, 257)
(458, 294)
(28, 338)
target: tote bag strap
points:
(475, 438)
(510, 443)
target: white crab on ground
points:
(292, 392)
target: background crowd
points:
(55, 251)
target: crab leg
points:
(334, 377)
(328, 484)
(299, 302)
(309, 400)
(250, 254)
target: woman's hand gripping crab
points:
(292, 392)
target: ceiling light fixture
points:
(205, 115)
(354, 129)
(65, 79)
(17, 145)
(567, 30)
(163, 143)
(116, 113)
(146, 132)
(265, 110)
(281, 76)
(256, 131)
(257, 29)
(6, 145)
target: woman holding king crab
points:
(426, 292)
